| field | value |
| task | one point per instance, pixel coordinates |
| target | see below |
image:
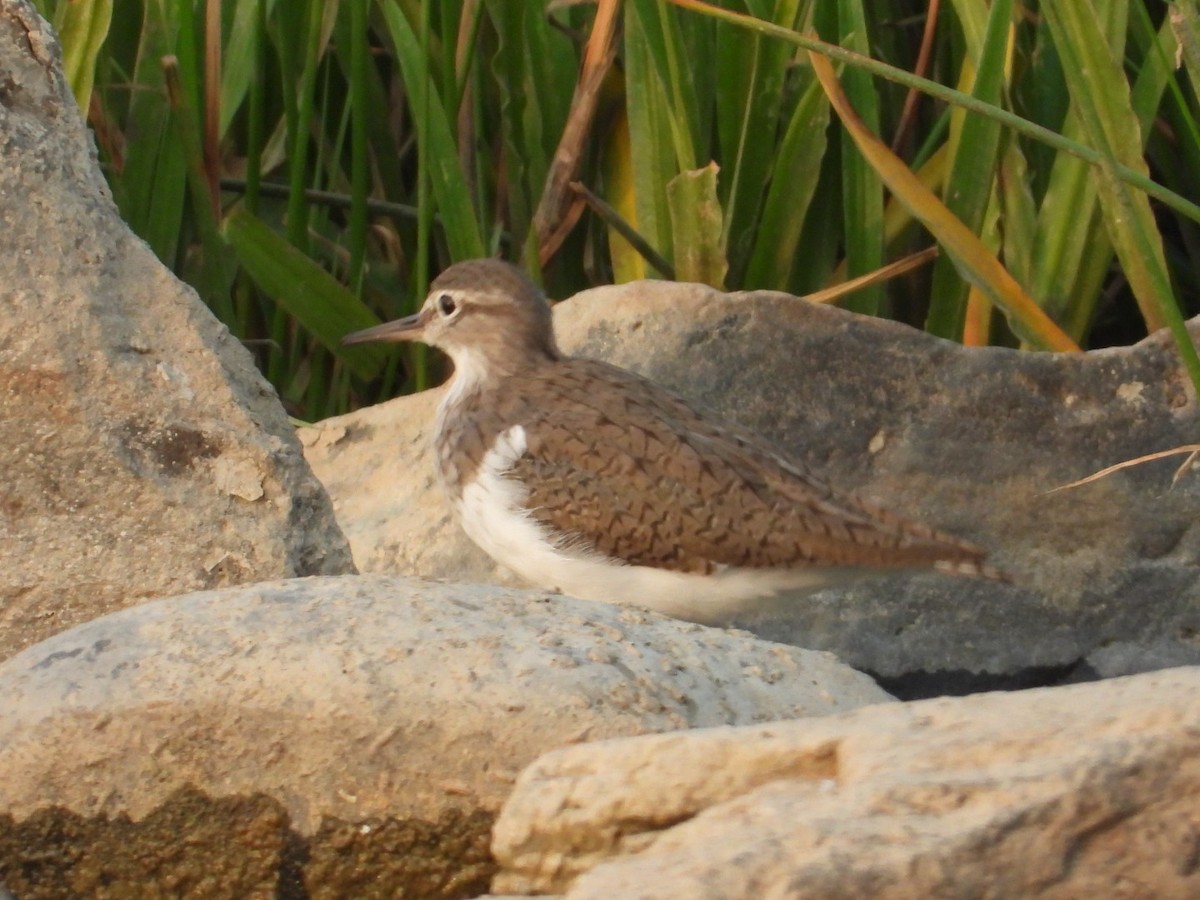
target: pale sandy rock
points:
(1083, 791)
(377, 465)
(143, 454)
(356, 717)
(967, 439)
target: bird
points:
(587, 479)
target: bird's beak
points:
(407, 329)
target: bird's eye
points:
(446, 305)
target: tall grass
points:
(309, 165)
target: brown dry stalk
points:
(1193, 450)
(555, 208)
(883, 273)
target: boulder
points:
(144, 455)
(330, 735)
(1082, 791)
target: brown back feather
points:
(634, 473)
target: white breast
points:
(494, 515)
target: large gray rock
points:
(143, 454)
(1082, 791)
(340, 734)
(971, 440)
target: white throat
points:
(470, 371)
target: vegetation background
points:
(308, 165)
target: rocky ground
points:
(202, 698)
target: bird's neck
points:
(468, 419)
(503, 356)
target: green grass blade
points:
(1041, 95)
(243, 56)
(1073, 251)
(1068, 221)
(972, 173)
(749, 86)
(552, 64)
(525, 163)
(1102, 101)
(447, 181)
(1019, 213)
(214, 276)
(1022, 126)
(1065, 228)
(820, 244)
(82, 30)
(255, 32)
(862, 191)
(657, 29)
(652, 155)
(152, 195)
(298, 126)
(356, 236)
(978, 264)
(794, 180)
(422, 87)
(531, 67)
(318, 302)
(1102, 98)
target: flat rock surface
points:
(330, 727)
(971, 440)
(143, 454)
(1083, 791)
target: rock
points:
(972, 440)
(336, 734)
(1082, 791)
(377, 466)
(144, 455)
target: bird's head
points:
(481, 312)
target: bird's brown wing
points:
(634, 473)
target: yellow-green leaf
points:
(696, 222)
(979, 266)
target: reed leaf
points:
(862, 190)
(794, 178)
(325, 308)
(82, 28)
(1100, 98)
(446, 177)
(975, 262)
(969, 186)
